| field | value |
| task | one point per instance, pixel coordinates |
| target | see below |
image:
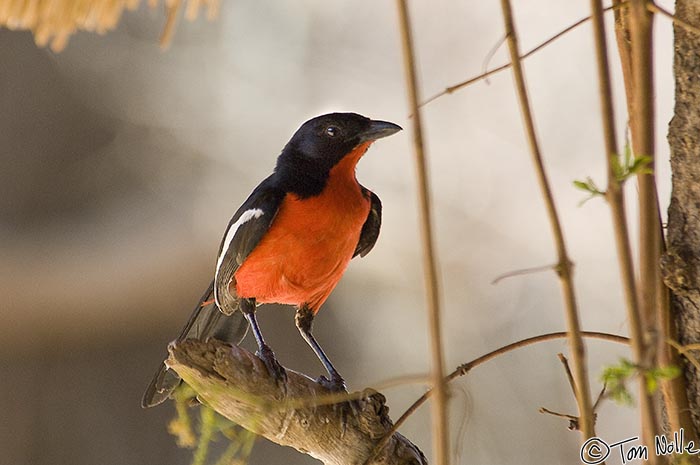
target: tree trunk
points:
(681, 263)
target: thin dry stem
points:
(564, 264)
(673, 390)
(657, 9)
(440, 421)
(642, 123)
(485, 74)
(567, 369)
(574, 421)
(524, 271)
(467, 367)
(687, 347)
(572, 418)
(633, 31)
(599, 399)
(684, 351)
(615, 197)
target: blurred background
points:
(122, 164)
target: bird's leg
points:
(347, 409)
(265, 354)
(304, 319)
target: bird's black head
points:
(320, 143)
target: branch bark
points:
(299, 413)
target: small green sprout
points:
(616, 377)
(624, 167)
(589, 186)
(654, 375)
(629, 165)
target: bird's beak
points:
(379, 129)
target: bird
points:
(290, 243)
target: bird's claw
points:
(276, 370)
(347, 408)
(335, 384)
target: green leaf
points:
(669, 372)
(627, 165)
(640, 165)
(654, 375)
(652, 384)
(589, 186)
(623, 166)
(615, 378)
(581, 185)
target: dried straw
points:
(54, 21)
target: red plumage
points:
(305, 252)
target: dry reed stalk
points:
(53, 21)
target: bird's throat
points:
(344, 171)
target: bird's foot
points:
(335, 384)
(347, 408)
(276, 370)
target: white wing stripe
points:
(247, 215)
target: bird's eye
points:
(332, 131)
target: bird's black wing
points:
(370, 230)
(207, 321)
(248, 225)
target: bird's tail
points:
(206, 322)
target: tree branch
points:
(297, 414)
